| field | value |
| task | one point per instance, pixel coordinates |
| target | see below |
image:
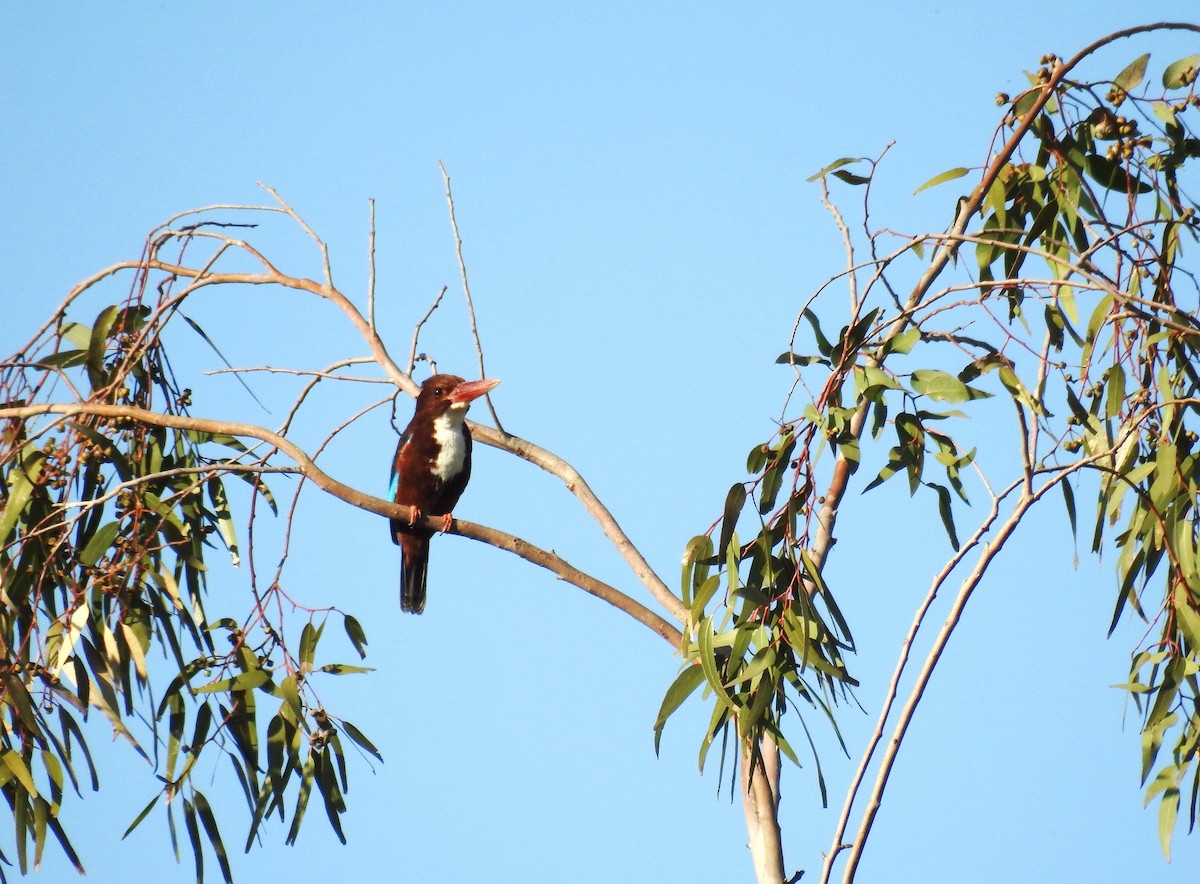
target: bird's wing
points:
(394, 483)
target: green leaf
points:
(734, 501)
(358, 638)
(703, 594)
(306, 784)
(357, 736)
(944, 387)
(708, 662)
(903, 342)
(948, 175)
(344, 669)
(1113, 175)
(221, 356)
(141, 816)
(20, 489)
(214, 835)
(851, 178)
(193, 830)
(289, 692)
(98, 346)
(12, 760)
(99, 544)
(309, 637)
(1178, 73)
(1134, 73)
(823, 346)
(18, 695)
(63, 359)
(243, 681)
(836, 164)
(946, 511)
(76, 333)
(216, 494)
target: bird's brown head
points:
(443, 392)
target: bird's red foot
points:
(447, 521)
(415, 517)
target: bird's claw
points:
(447, 521)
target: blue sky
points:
(630, 186)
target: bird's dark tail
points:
(415, 564)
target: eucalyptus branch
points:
(327, 483)
(502, 440)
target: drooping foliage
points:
(114, 504)
(1060, 310)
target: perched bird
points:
(430, 472)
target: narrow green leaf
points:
(16, 764)
(946, 511)
(358, 638)
(836, 164)
(65, 844)
(98, 346)
(735, 499)
(214, 835)
(289, 692)
(309, 637)
(243, 681)
(99, 543)
(41, 815)
(141, 816)
(1168, 810)
(851, 178)
(1069, 500)
(18, 695)
(216, 494)
(703, 595)
(948, 175)
(681, 688)
(708, 662)
(344, 669)
(20, 489)
(306, 784)
(193, 830)
(331, 795)
(221, 356)
(358, 737)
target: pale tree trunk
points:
(760, 800)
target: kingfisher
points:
(430, 473)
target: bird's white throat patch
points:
(452, 447)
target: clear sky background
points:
(630, 185)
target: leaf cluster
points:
(1078, 314)
(106, 531)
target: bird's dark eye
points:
(438, 391)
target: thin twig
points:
(371, 267)
(412, 354)
(462, 269)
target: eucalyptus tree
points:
(1058, 302)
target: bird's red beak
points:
(470, 390)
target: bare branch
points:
(462, 269)
(367, 502)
